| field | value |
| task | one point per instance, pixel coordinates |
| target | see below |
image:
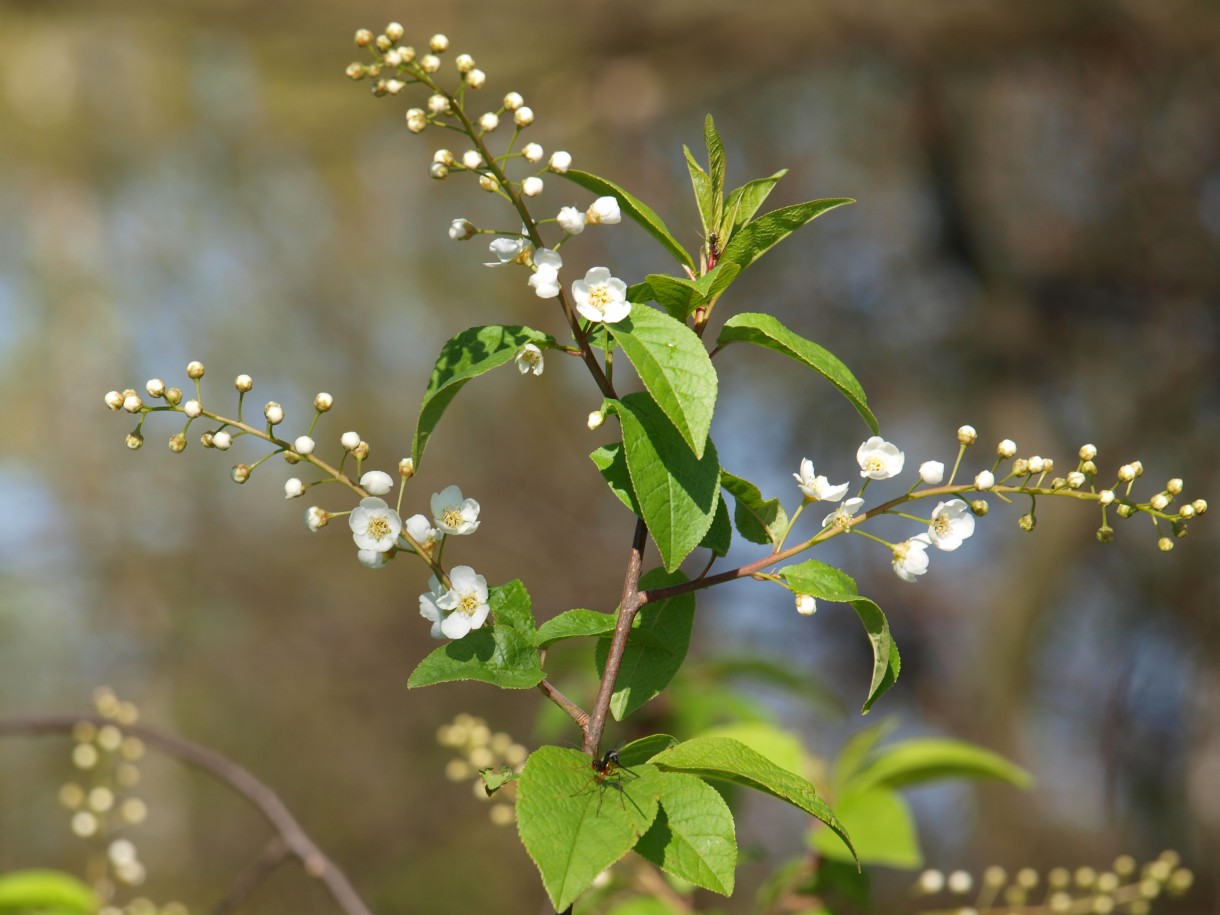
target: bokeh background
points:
(1035, 251)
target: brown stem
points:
(629, 607)
(274, 854)
(575, 712)
(288, 830)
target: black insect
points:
(608, 772)
(713, 249)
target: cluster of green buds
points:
(483, 757)
(101, 797)
(1126, 888)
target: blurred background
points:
(1035, 251)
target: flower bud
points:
(155, 387)
(316, 518)
(513, 101)
(416, 120)
(1048, 464)
(355, 70)
(406, 468)
(1105, 534)
(114, 400)
(383, 43)
(1075, 479)
(979, 507)
(1089, 468)
(1124, 510)
(394, 86)
(438, 43)
(595, 419)
(438, 172)
(1006, 448)
(361, 451)
(177, 443)
(192, 408)
(323, 402)
(931, 472)
(604, 210)
(1187, 511)
(194, 370)
(1199, 505)
(1174, 486)
(560, 162)
(966, 435)
(222, 440)
(291, 458)
(438, 104)
(364, 38)
(571, 220)
(984, 481)
(475, 79)
(134, 440)
(377, 483)
(243, 383)
(406, 52)
(489, 122)
(1088, 452)
(240, 473)
(523, 116)
(1059, 483)
(1139, 468)
(1126, 473)
(132, 403)
(1160, 501)
(461, 230)
(394, 31)
(1036, 464)
(806, 605)
(1027, 522)
(173, 396)
(274, 413)
(1165, 544)
(532, 152)
(430, 63)
(349, 440)
(1106, 496)
(206, 440)
(471, 159)
(1021, 467)
(531, 186)
(488, 182)
(293, 487)
(303, 445)
(464, 63)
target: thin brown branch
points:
(274, 854)
(288, 830)
(628, 608)
(575, 712)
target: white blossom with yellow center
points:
(601, 297)
(952, 522)
(375, 526)
(879, 460)
(466, 602)
(842, 517)
(911, 558)
(453, 514)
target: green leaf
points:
(644, 749)
(677, 295)
(716, 281)
(692, 837)
(634, 209)
(764, 330)
(611, 462)
(468, 355)
(502, 654)
(574, 624)
(828, 583)
(715, 172)
(660, 638)
(34, 892)
(704, 196)
(677, 492)
(744, 202)
(756, 238)
(756, 519)
(675, 368)
(857, 749)
(495, 779)
(881, 828)
(914, 762)
(720, 535)
(781, 747)
(721, 757)
(574, 826)
(644, 905)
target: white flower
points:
(529, 360)
(879, 460)
(293, 487)
(817, 488)
(420, 529)
(984, 481)
(316, 518)
(372, 559)
(532, 152)
(506, 251)
(931, 472)
(428, 608)
(303, 445)
(461, 229)
(375, 526)
(806, 605)
(545, 278)
(531, 186)
(911, 557)
(604, 210)
(465, 602)
(560, 162)
(453, 514)
(952, 522)
(376, 482)
(842, 516)
(571, 220)
(601, 297)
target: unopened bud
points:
(438, 104)
(1139, 468)
(364, 38)
(274, 413)
(1124, 510)
(361, 451)
(303, 445)
(132, 403)
(155, 387)
(316, 518)
(1159, 501)
(355, 70)
(806, 605)
(173, 396)
(1089, 468)
(523, 116)
(1088, 452)
(291, 457)
(1174, 486)
(194, 370)
(1200, 506)
(240, 473)
(177, 443)
(1126, 473)
(979, 507)
(406, 468)
(383, 43)
(293, 488)
(1187, 511)
(1075, 479)
(488, 182)
(114, 400)
(438, 43)
(596, 418)
(439, 172)
(416, 120)
(531, 186)
(206, 440)
(560, 162)
(1105, 533)
(475, 79)
(1021, 467)
(513, 101)
(323, 402)
(489, 122)
(966, 435)
(532, 152)
(984, 481)
(1036, 464)
(430, 63)
(134, 440)
(1165, 544)
(349, 440)
(222, 440)
(1027, 522)
(192, 408)
(1006, 448)
(394, 31)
